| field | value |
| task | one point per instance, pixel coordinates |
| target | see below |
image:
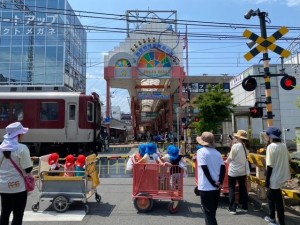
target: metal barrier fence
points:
(110, 166)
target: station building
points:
(42, 47)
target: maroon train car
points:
(67, 122)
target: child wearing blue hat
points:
(174, 159)
(151, 155)
(136, 157)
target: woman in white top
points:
(277, 174)
(211, 172)
(12, 186)
(237, 160)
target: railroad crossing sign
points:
(264, 44)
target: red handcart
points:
(154, 181)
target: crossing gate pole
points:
(267, 77)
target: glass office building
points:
(42, 46)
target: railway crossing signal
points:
(268, 43)
(256, 112)
(265, 43)
(288, 82)
(249, 84)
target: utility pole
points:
(187, 137)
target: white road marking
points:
(76, 215)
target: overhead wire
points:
(193, 25)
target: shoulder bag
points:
(1, 160)
(28, 178)
(247, 163)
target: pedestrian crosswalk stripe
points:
(71, 215)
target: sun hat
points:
(206, 139)
(70, 160)
(14, 129)
(173, 152)
(242, 134)
(274, 132)
(9, 144)
(151, 148)
(80, 161)
(54, 157)
(142, 149)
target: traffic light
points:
(288, 82)
(197, 119)
(249, 84)
(256, 112)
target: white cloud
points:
(264, 1)
(292, 3)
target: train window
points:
(49, 111)
(72, 112)
(90, 112)
(4, 111)
(17, 111)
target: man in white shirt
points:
(278, 172)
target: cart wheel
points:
(35, 207)
(196, 191)
(60, 203)
(173, 207)
(97, 197)
(143, 204)
(86, 209)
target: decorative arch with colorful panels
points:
(153, 59)
(123, 63)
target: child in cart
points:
(80, 165)
(54, 165)
(136, 156)
(69, 166)
(176, 160)
(151, 155)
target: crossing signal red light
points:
(288, 82)
(256, 112)
(249, 84)
(197, 119)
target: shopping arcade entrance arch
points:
(149, 64)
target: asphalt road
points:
(116, 207)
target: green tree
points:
(215, 106)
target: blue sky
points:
(210, 56)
